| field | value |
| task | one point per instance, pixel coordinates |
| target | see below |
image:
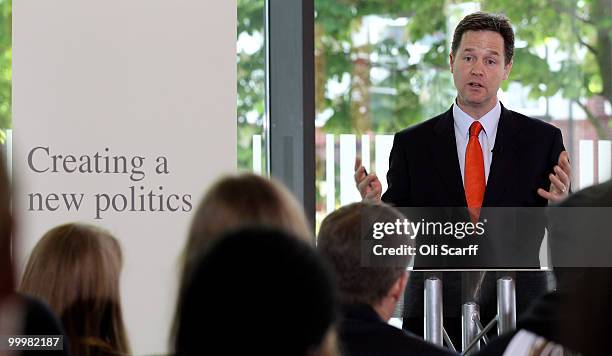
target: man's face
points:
(478, 68)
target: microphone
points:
(497, 149)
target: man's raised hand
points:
(560, 181)
(368, 185)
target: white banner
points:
(124, 112)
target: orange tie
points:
(474, 173)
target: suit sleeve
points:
(398, 178)
(556, 149)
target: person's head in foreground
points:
(237, 201)
(75, 268)
(481, 57)
(360, 280)
(242, 200)
(275, 282)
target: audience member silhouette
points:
(369, 287)
(257, 291)
(243, 200)
(236, 201)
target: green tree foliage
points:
(409, 90)
(251, 79)
(583, 31)
(5, 67)
(417, 89)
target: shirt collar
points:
(489, 121)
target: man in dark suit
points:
(369, 292)
(477, 154)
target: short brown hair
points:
(340, 241)
(482, 21)
(75, 268)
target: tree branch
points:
(576, 32)
(601, 133)
(572, 12)
(588, 46)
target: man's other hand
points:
(560, 181)
(368, 184)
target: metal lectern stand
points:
(472, 330)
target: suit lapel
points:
(446, 160)
(505, 159)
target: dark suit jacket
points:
(424, 167)
(363, 332)
(424, 172)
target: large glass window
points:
(5, 76)
(382, 66)
(251, 85)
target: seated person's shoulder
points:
(38, 317)
(599, 195)
(360, 336)
(527, 343)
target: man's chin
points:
(478, 101)
(474, 102)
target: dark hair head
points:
(256, 280)
(482, 21)
(340, 241)
(75, 268)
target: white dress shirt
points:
(486, 137)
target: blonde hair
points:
(75, 268)
(243, 200)
(237, 201)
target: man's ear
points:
(507, 69)
(450, 61)
(398, 287)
